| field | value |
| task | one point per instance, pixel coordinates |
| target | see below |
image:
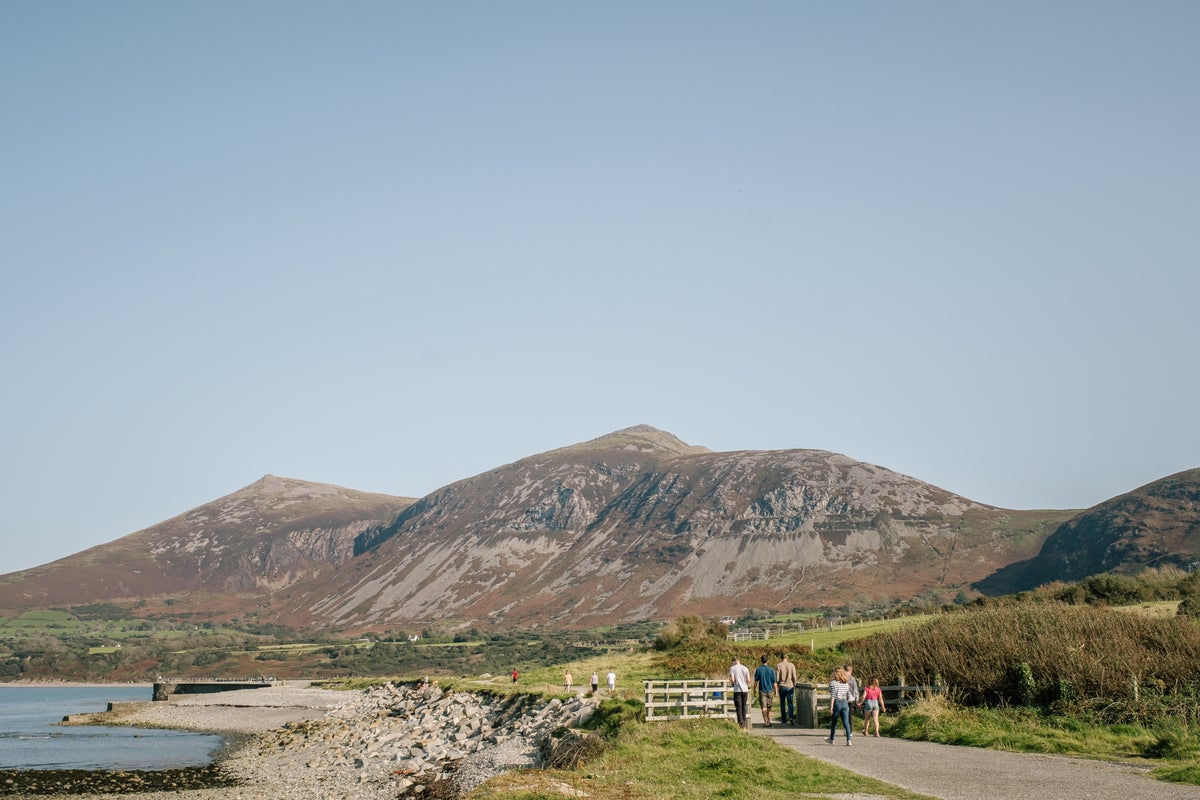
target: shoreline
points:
(65, 684)
(302, 743)
(240, 717)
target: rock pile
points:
(397, 740)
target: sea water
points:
(32, 738)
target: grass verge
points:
(1167, 742)
(702, 760)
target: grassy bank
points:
(1167, 743)
(689, 761)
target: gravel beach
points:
(238, 715)
(296, 741)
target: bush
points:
(1024, 688)
(1098, 652)
(571, 750)
(613, 715)
(691, 632)
(1190, 607)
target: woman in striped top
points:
(839, 703)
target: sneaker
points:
(847, 743)
(830, 740)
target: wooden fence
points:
(713, 699)
(688, 699)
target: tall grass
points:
(1046, 654)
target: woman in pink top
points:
(872, 705)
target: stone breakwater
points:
(396, 741)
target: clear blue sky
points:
(389, 245)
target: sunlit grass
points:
(831, 636)
(1024, 730)
(632, 666)
(1159, 608)
(704, 760)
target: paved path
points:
(970, 773)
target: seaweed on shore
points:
(83, 781)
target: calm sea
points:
(31, 738)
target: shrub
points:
(1190, 607)
(613, 715)
(691, 632)
(570, 750)
(1098, 652)
(1024, 688)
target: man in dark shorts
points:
(764, 683)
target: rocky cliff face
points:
(264, 537)
(639, 525)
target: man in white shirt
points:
(739, 678)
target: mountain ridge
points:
(596, 533)
(635, 524)
(1155, 525)
(253, 541)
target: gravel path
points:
(969, 773)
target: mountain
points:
(1153, 526)
(637, 525)
(231, 554)
(633, 525)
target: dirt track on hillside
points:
(969, 773)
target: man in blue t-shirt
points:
(764, 683)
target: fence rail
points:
(688, 699)
(713, 699)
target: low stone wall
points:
(163, 690)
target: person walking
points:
(785, 678)
(567, 681)
(839, 703)
(764, 684)
(855, 692)
(612, 681)
(595, 683)
(515, 675)
(872, 705)
(739, 679)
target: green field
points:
(829, 634)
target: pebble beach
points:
(297, 741)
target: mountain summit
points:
(639, 438)
(638, 524)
